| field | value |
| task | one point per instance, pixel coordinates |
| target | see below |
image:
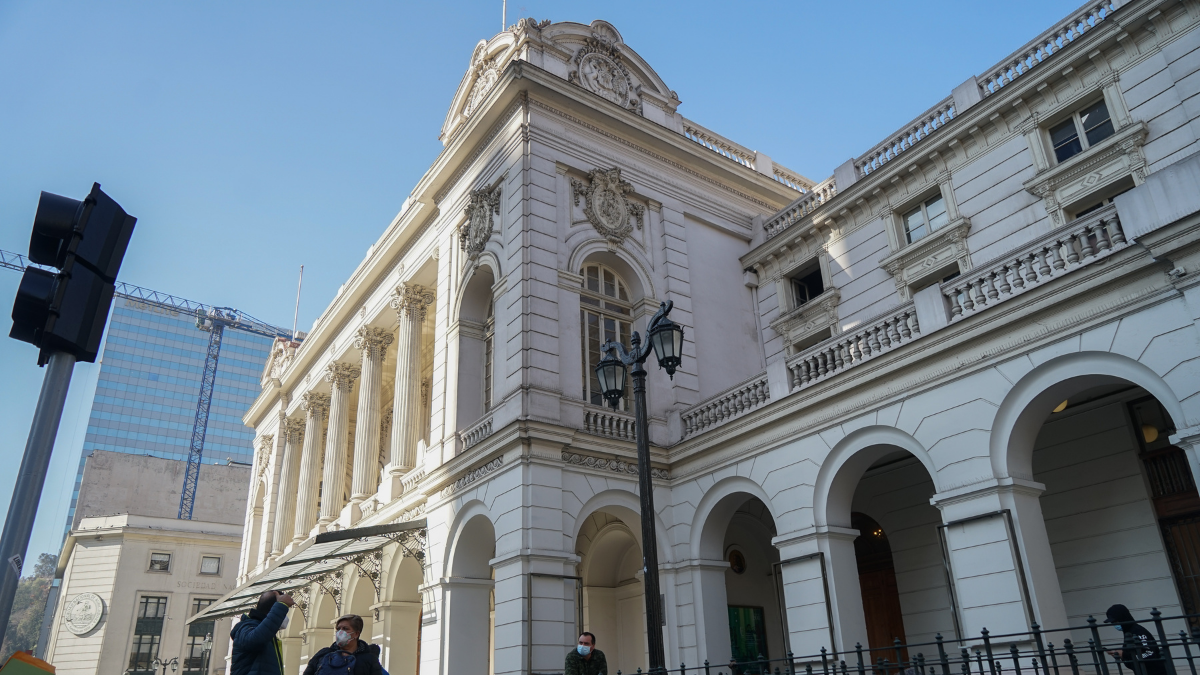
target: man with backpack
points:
(256, 650)
(348, 655)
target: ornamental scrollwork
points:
(615, 465)
(474, 234)
(600, 69)
(472, 476)
(606, 205)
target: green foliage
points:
(29, 605)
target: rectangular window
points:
(147, 634)
(928, 217)
(210, 565)
(1083, 129)
(160, 562)
(807, 283)
(197, 660)
(598, 329)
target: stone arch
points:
(464, 305)
(398, 626)
(461, 545)
(715, 511)
(632, 268)
(1029, 402)
(845, 464)
(468, 588)
(625, 505)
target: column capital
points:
(315, 403)
(342, 375)
(373, 342)
(293, 430)
(411, 301)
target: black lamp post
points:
(666, 341)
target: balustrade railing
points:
(1044, 46)
(477, 433)
(1077, 650)
(927, 123)
(718, 143)
(609, 423)
(797, 210)
(1074, 245)
(726, 405)
(871, 338)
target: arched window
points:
(605, 313)
(489, 339)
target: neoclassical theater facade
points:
(952, 386)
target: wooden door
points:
(880, 597)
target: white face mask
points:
(342, 638)
(284, 625)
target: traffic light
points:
(86, 242)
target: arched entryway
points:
(469, 641)
(610, 552)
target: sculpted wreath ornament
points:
(605, 204)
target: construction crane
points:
(214, 321)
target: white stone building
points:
(953, 386)
(132, 573)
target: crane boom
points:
(191, 477)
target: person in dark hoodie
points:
(347, 648)
(256, 650)
(1139, 652)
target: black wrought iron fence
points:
(1078, 650)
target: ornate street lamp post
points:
(666, 341)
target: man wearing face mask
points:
(256, 650)
(348, 655)
(1139, 652)
(585, 659)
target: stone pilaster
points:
(373, 342)
(411, 303)
(316, 405)
(341, 377)
(289, 478)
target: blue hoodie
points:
(256, 651)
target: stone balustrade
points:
(838, 353)
(1078, 243)
(731, 403)
(476, 433)
(804, 205)
(604, 422)
(1045, 45)
(925, 124)
(719, 144)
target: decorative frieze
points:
(614, 465)
(606, 206)
(472, 476)
(808, 320)
(598, 68)
(914, 263)
(411, 514)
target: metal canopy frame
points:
(323, 563)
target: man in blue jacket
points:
(256, 650)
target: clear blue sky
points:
(251, 138)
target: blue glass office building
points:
(149, 383)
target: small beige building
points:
(132, 573)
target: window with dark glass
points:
(147, 634)
(160, 562)
(1083, 129)
(605, 313)
(195, 661)
(489, 339)
(807, 284)
(929, 216)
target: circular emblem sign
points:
(83, 613)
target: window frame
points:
(155, 640)
(1072, 114)
(599, 306)
(219, 560)
(150, 562)
(923, 208)
(195, 643)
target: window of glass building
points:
(1083, 129)
(147, 634)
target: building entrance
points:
(877, 580)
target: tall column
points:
(289, 478)
(373, 342)
(411, 303)
(317, 406)
(341, 377)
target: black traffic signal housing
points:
(86, 241)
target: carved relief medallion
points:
(598, 68)
(474, 233)
(605, 204)
(83, 613)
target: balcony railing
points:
(929, 121)
(1076, 244)
(797, 210)
(474, 434)
(742, 155)
(603, 422)
(726, 405)
(841, 352)
(1077, 650)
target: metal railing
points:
(1079, 650)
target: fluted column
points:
(341, 377)
(289, 477)
(374, 343)
(385, 442)
(316, 405)
(411, 303)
